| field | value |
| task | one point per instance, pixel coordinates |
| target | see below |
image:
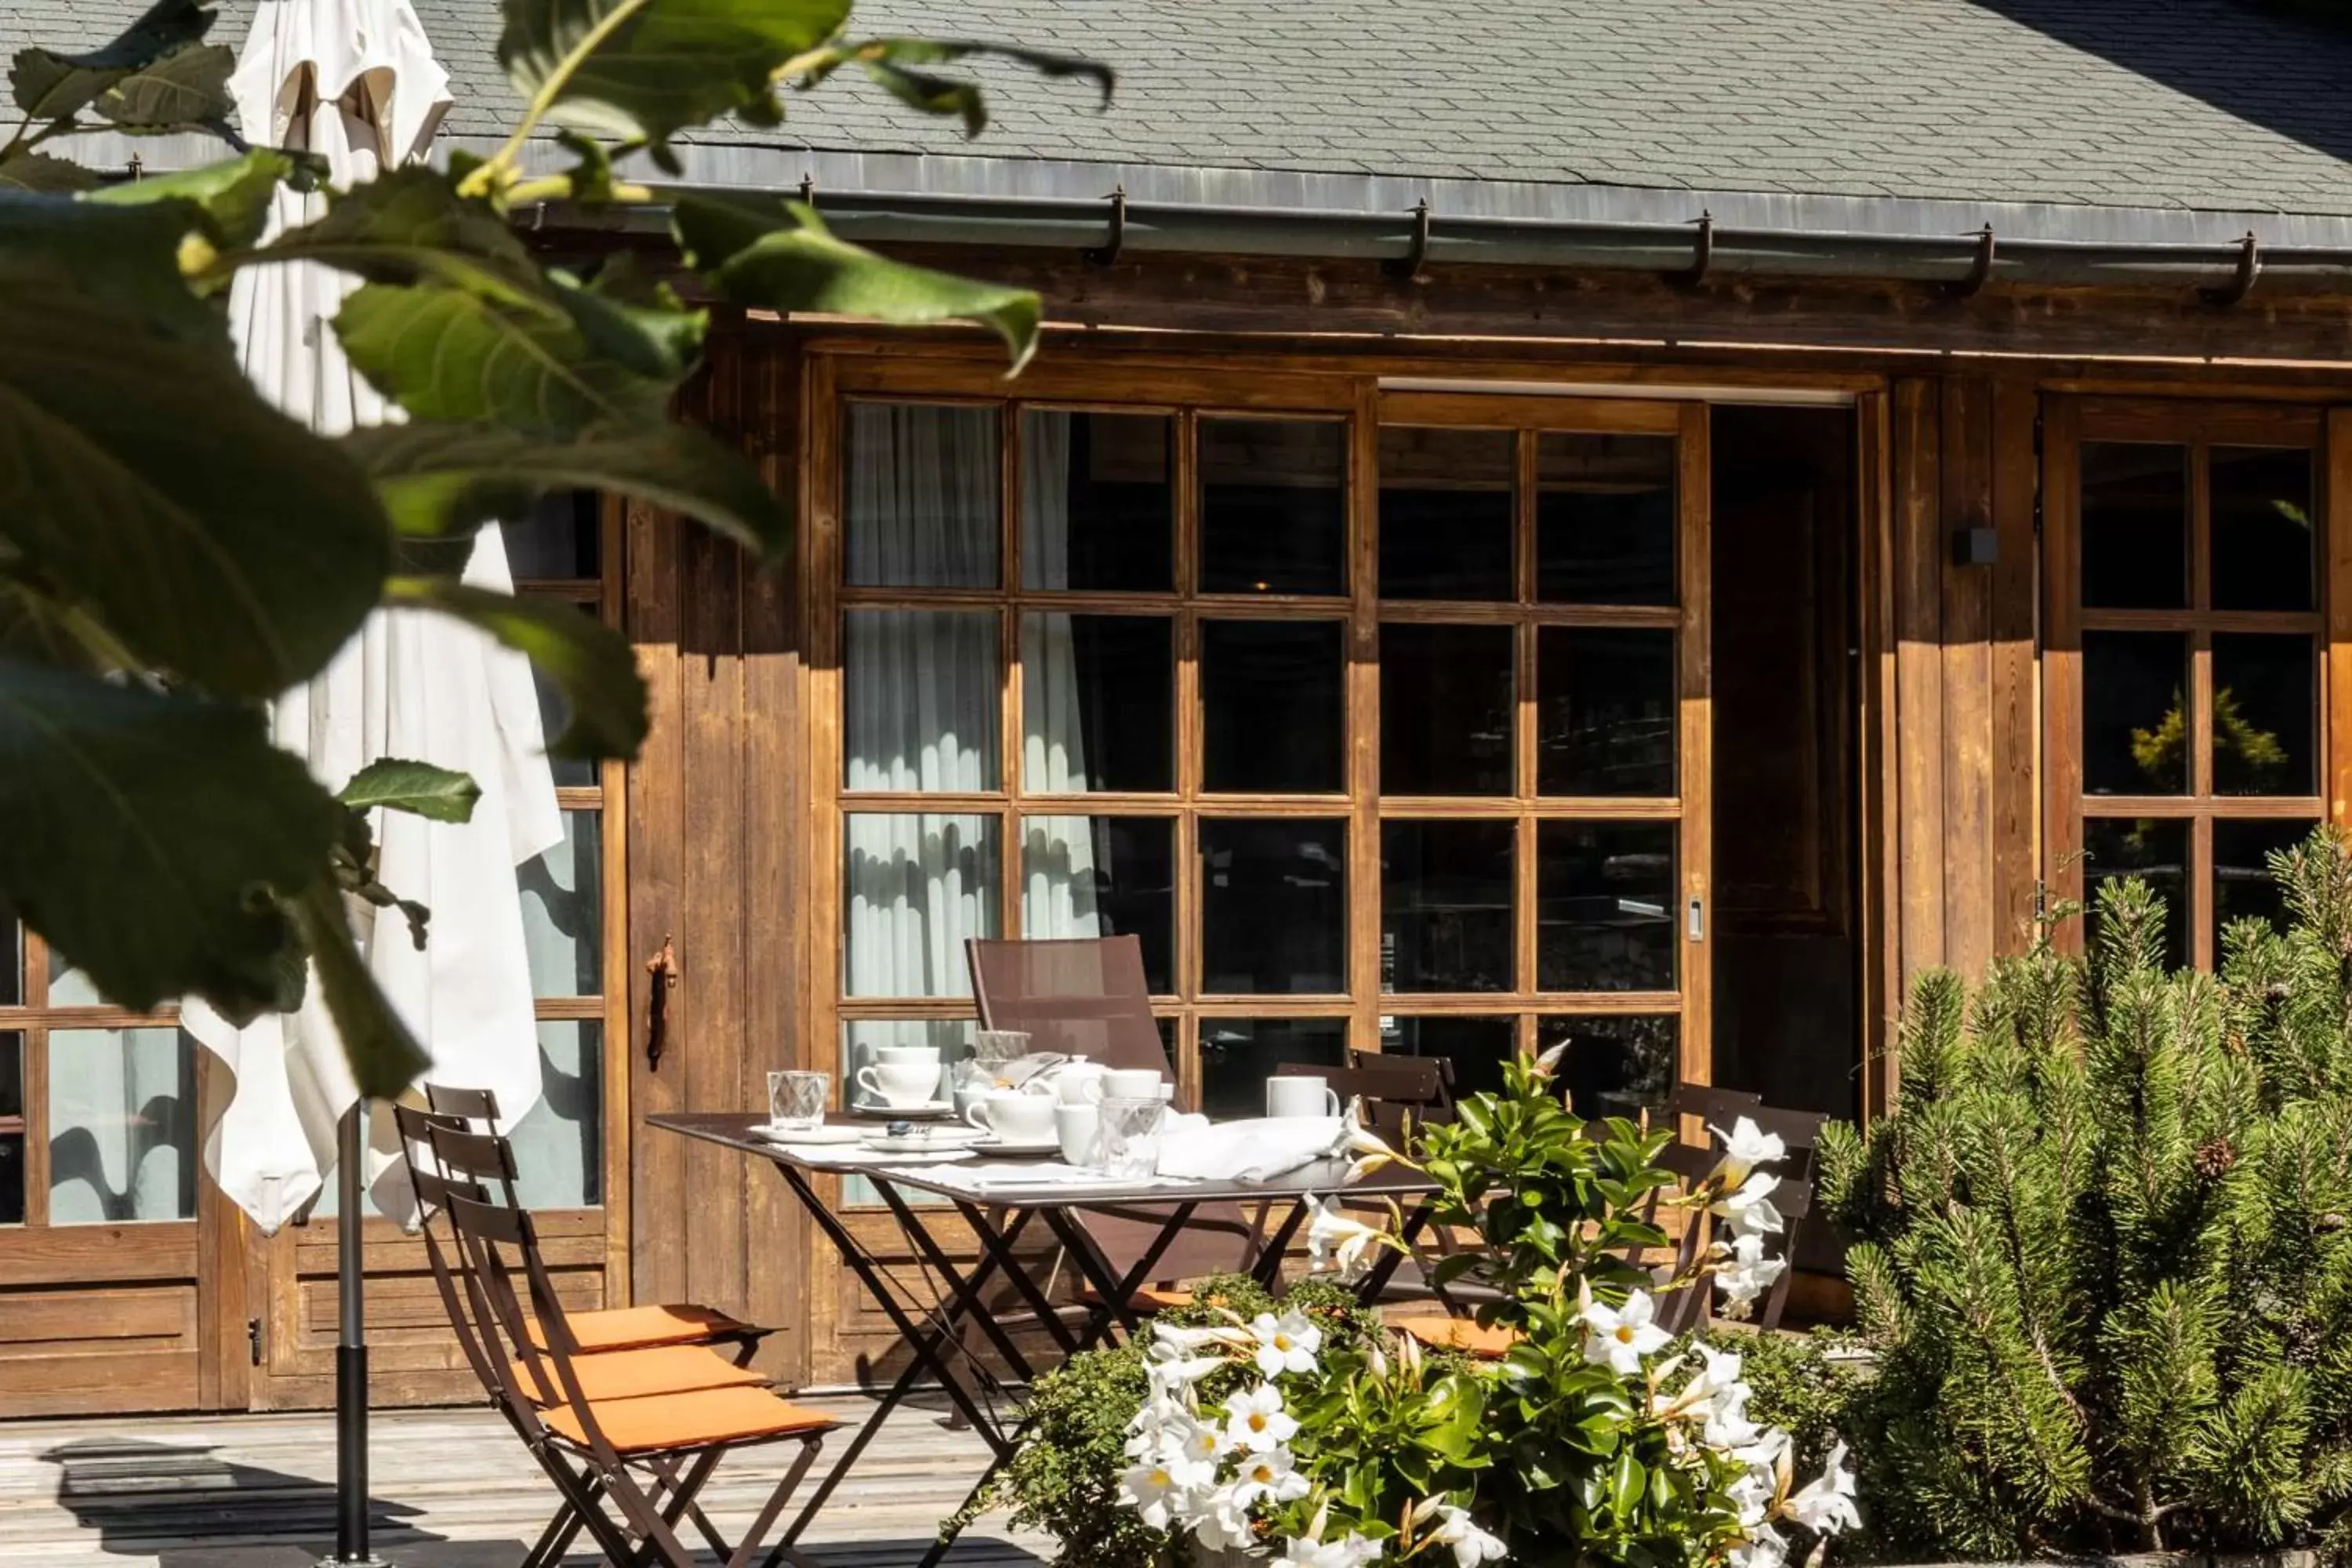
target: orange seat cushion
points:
(1146, 1299)
(628, 1328)
(694, 1420)
(1459, 1334)
(638, 1373)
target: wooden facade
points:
(1931, 783)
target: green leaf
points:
(438, 479)
(384, 1056)
(188, 87)
(38, 171)
(230, 198)
(1627, 1480)
(124, 255)
(590, 663)
(442, 794)
(147, 833)
(147, 480)
(895, 64)
(49, 86)
(641, 70)
(409, 225)
(781, 256)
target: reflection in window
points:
(2154, 849)
(11, 960)
(561, 540)
(1446, 711)
(1103, 876)
(922, 700)
(12, 1128)
(1614, 1067)
(1476, 1047)
(916, 885)
(2265, 710)
(1274, 707)
(861, 1043)
(1238, 1055)
(1097, 502)
(2263, 533)
(2243, 888)
(562, 911)
(1605, 712)
(560, 1146)
(1446, 905)
(1272, 506)
(2134, 715)
(920, 495)
(1097, 703)
(1274, 906)
(121, 1126)
(1605, 519)
(1605, 905)
(1447, 516)
(2134, 525)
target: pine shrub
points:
(2101, 1245)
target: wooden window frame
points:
(2068, 423)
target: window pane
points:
(2134, 525)
(2153, 850)
(1273, 516)
(920, 495)
(1097, 504)
(1476, 1047)
(2135, 717)
(554, 713)
(2266, 713)
(1274, 906)
(1274, 707)
(1446, 711)
(1605, 906)
(1446, 903)
(563, 911)
(1605, 712)
(922, 700)
(559, 1145)
(2262, 527)
(12, 1128)
(918, 885)
(1238, 1055)
(1103, 876)
(1097, 702)
(1446, 513)
(862, 1039)
(1605, 519)
(2242, 886)
(122, 1126)
(561, 539)
(12, 961)
(1614, 1067)
(69, 987)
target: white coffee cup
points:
(1300, 1096)
(1014, 1117)
(906, 1055)
(901, 1085)
(1077, 1126)
(1125, 1083)
(1074, 1082)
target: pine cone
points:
(2214, 1159)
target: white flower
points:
(1177, 1437)
(1719, 1372)
(1218, 1519)
(1621, 1336)
(1548, 1063)
(1287, 1344)
(1336, 1241)
(1743, 1273)
(1826, 1504)
(1191, 1340)
(1471, 1544)
(1351, 1550)
(1763, 1549)
(1159, 1490)
(1271, 1476)
(1748, 1206)
(1372, 1150)
(1256, 1421)
(1171, 1369)
(1745, 1147)
(1751, 1494)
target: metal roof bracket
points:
(1408, 266)
(1981, 270)
(2249, 267)
(1107, 252)
(1702, 254)
(808, 192)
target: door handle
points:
(662, 970)
(1697, 923)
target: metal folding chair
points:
(645, 1458)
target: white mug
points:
(901, 1085)
(1078, 1127)
(1300, 1096)
(906, 1055)
(1014, 1117)
(1125, 1083)
(1074, 1082)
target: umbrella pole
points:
(351, 1349)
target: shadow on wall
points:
(2283, 65)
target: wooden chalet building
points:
(1638, 523)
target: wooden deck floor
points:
(451, 1488)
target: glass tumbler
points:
(1131, 1136)
(994, 1047)
(797, 1100)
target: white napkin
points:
(1044, 1174)
(1255, 1151)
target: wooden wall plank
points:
(1965, 470)
(2016, 693)
(1916, 570)
(657, 834)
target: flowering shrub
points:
(1260, 1434)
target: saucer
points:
(1019, 1146)
(831, 1132)
(926, 1141)
(931, 1112)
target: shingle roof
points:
(2186, 105)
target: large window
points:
(1371, 729)
(2188, 731)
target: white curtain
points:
(1058, 854)
(122, 1115)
